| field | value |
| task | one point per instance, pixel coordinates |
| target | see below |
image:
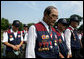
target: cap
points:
(25, 25)
(16, 23)
(63, 21)
(74, 18)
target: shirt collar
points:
(13, 31)
(45, 24)
(71, 27)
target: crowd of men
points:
(42, 40)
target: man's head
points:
(62, 23)
(74, 21)
(16, 25)
(50, 15)
(25, 27)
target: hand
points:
(62, 56)
(18, 46)
(68, 56)
(14, 47)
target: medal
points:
(60, 40)
(55, 41)
(44, 44)
(51, 35)
(43, 37)
(56, 36)
(55, 44)
(47, 36)
(40, 44)
(47, 44)
(51, 45)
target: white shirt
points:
(80, 36)
(30, 50)
(26, 35)
(5, 36)
(62, 34)
(68, 39)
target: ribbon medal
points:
(43, 37)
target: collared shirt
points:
(30, 50)
(5, 36)
(68, 39)
(26, 35)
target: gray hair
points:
(48, 9)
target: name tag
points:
(11, 39)
(19, 36)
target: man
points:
(25, 30)
(42, 37)
(13, 40)
(61, 26)
(72, 40)
(25, 37)
(4, 46)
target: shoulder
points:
(32, 28)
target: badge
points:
(55, 41)
(51, 47)
(19, 35)
(40, 44)
(51, 35)
(11, 36)
(56, 36)
(43, 37)
(47, 44)
(47, 36)
(60, 40)
(44, 44)
(55, 44)
(39, 49)
(11, 39)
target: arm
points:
(5, 41)
(61, 56)
(68, 40)
(30, 50)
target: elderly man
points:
(42, 37)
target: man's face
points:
(52, 17)
(15, 28)
(74, 24)
(61, 27)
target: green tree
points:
(21, 26)
(30, 24)
(4, 23)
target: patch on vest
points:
(56, 36)
(45, 46)
(45, 36)
(19, 36)
(11, 39)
